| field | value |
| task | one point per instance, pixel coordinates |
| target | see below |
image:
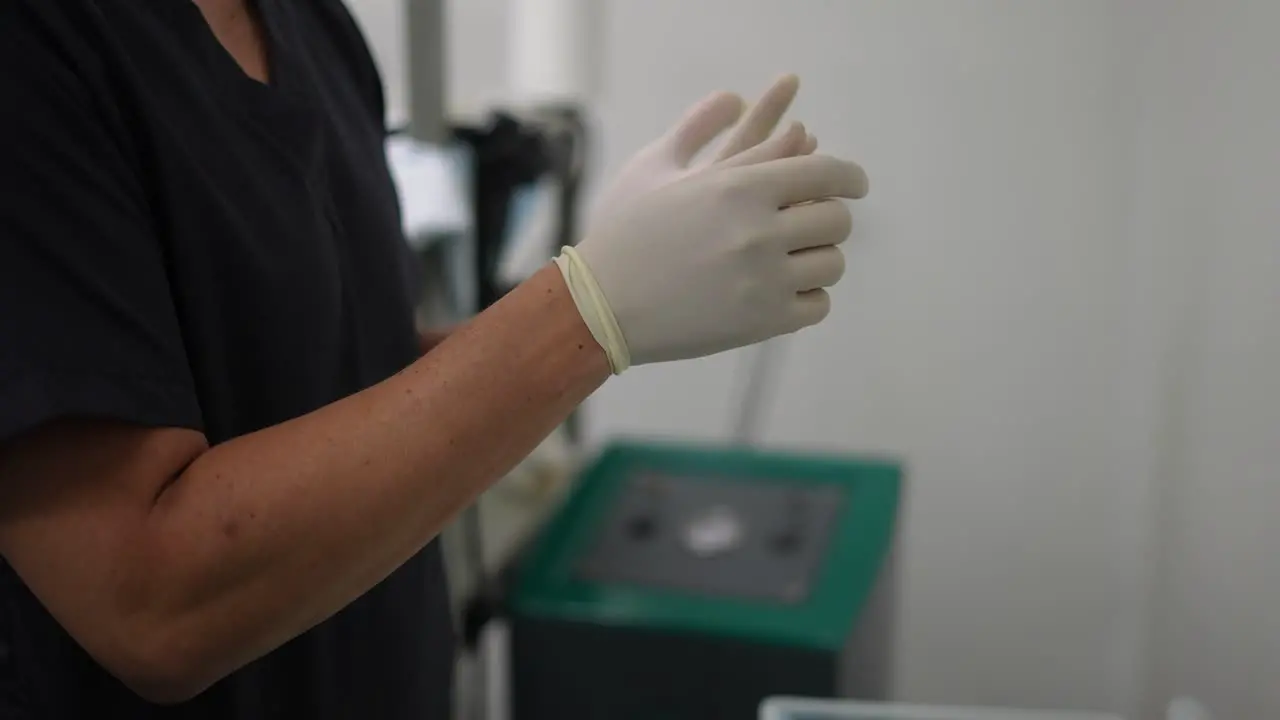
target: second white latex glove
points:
(674, 155)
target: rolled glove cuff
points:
(594, 308)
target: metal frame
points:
(425, 23)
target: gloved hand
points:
(729, 256)
(672, 156)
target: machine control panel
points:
(753, 540)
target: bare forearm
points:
(267, 535)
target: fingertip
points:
(778, 98)
(788, 80)
(720, 96)
(813, 177)
(788, 143)
(796, 137)
(813, 306)
(721, 104)
(728, 102)
(703, 122)
(856, 182)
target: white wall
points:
(475, 30)
(1210, 223)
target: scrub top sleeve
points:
(88, 326)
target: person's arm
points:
(174, 564)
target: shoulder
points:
(35, 33)
(53, 64)
(65, 68)
(69, 46)
(72, 29)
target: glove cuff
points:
(594, 308)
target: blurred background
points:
(1062, 313)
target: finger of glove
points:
(795, 180)
(786, 144)
(814, 225)
(763, 118)
(816, 268)
(702, 123)
(810, 307)
(810, 145)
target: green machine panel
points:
(720, 576)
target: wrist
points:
(565, 332)
(594, 309)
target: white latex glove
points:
(727, 257)
(672, 156)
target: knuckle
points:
(748, 240)
(747, 292)
(733, 188)
(753, 290)
(745, 246)
(758, 240)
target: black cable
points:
(506, 156)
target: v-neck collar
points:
(229, 70)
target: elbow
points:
(164, 688)
(160, 667)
